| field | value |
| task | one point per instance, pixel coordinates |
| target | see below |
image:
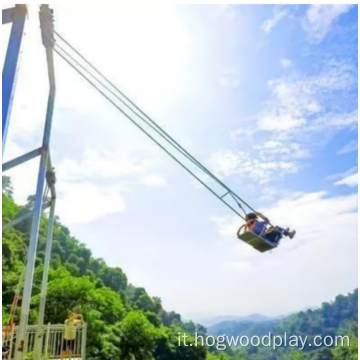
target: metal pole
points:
(83, 342)
(46, 349)
(11, 66)
(25, 308)
(40, 324)
(31, 257)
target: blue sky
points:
(266, 96)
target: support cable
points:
(110, 87)
(147, 134)
(143, 116)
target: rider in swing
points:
(259, 228)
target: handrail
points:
(52, 342)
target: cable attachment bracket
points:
(47, 26)
(51, 177)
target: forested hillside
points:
(331, 319)
(243, 327)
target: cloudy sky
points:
(266, 96)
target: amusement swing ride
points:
(42, 340)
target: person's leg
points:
(64, 350)
(274, 235)
(71, 348)
(5, 351)
(287, 232)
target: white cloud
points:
(81, 195)
(269, 24)
(272, 147)
(230, 78)
(300, 211)
(227, 12)
(343, 174)
(335, 122)
(102, 178)
(154, 180)
(226, 163)
(260, 169)
(13, 150)
(350, 181)
(243, 132)
(286, 63)
(296, 101)
(226, 225)
(238, 266)
(348, 148)
(298, 111)
(167, 51)
(106, 165)
(268, 160)
(320, 19)
(86, 202)
(28, 171)
(281, 121)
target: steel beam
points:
(23, 217)
(39, 330)
(21, 159)
(31, 258)
(45, 16)
(11, 66)
(8, 16)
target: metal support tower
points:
(46, 173)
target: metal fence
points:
(54, 346)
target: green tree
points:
(137, 337)
(7, 187)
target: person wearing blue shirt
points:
(260, 228)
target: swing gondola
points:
(257, 242)
(261, 234)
